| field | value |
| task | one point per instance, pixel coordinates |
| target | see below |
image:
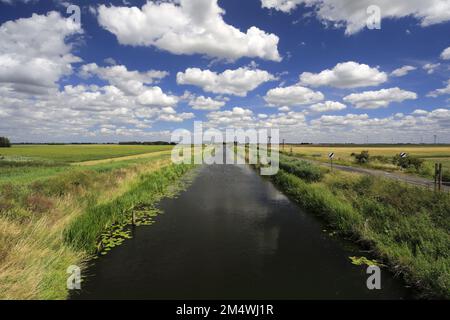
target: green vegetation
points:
(48, 210)
(83, 233)
(301, 169)
(4, 142)
(75, 153)
(361, 158)
(412, 163)
(381, 157)
(405, 227)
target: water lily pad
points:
(359, 261)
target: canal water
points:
(233, 235)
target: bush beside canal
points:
(407, 227)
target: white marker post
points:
(331, 156)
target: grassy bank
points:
(82, 234)
(407, 227)
(50, 222)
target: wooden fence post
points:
(435, 176)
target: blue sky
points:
(317, 74)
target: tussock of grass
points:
(407, 227)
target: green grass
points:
(381, 156)
(42, 202)
(84, 232)
(76, 153)
(301, 168)
(406, 227)
(26, 164)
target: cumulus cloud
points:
(187, 27)
(379, 99)
(245, 118)
(352, 15)
(442, 91)
(345, 75)
(430, 67)
(236, 82)
(35, 52)
(292, 96)
(130, 82)
(84, 112)
(327, 106)
(237, 117)
(155, 97)
(176, 117)
(445, 55)
(403, 71)
(336, 121)
(206, 103)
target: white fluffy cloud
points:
(133, 83)
(442, 91)
(35, 53)
(206, 103)
(236, 82)
(155, 97)
(187, 27)
(353, 15)
(327, 106)
(445, 55)
(245, 118)
(91, 113)
(237, 117)
(430, 67)
(292, 96)
(379, 99)
(403, 71)
(130, 82)
(345, 75)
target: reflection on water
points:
(232, 235)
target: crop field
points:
(75, 153)
(28, 163)
(383, 155)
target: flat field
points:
(429, 153)
(75, 153)
(28, 163)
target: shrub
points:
(4, 142)
(362, 158)
(408, 162)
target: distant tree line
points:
(4, 142)
(148, 143)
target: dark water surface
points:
(233, 235)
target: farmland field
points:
(76, 153)
(429, 153)
(27, 163)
